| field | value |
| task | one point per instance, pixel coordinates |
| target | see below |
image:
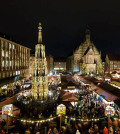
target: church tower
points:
(40, 80)
(87, 35)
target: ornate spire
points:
(40, 34)
(87, 35)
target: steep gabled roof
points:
(87, 50)
(114, 57)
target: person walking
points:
(105, 130)
(77, 132)
(50, 131)
(96, 129)
(3, 123)
(91, 130)
(110, 130)
(55, 131)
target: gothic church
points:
(86, 53)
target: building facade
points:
(50, 65)
(112, 63)
(69, 64)
(32, 65)
(40, 79)
(59, 64)
(14, 58)
(87, 55)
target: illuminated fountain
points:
(40, 79)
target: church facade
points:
(85, 58)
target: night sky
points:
(64, 23)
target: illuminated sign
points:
(7, 109)
(71, 87)
(61, 109)
(58, 68)
(109, 111)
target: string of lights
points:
(35, 120)
(52, 118)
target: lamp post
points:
(61, 110)
(7, 123)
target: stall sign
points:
(61, 109)
(7, 109)
(109, 111)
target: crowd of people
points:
(87, 107)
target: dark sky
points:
(64, 23)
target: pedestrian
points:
(50, 131)
(110, 130)
(91, 130)
(27, 131)
(110, 122)
(105, 130)
(115, 124)
(3, 123)
(77, 132)
(55, 131)
(96, 129)
(37, 132)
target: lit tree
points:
(99, 69)
(84, 70)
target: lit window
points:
(10, 63)
(3, 53)
(7, 54)
(16, 73)
(3, 63)
(9, 45)
(6, 63)
(13, 46)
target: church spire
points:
(87, 35)
(40, 34)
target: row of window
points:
(11, 63)
(6, 45)
(114, 62)
(3, 54)
(115, 66)
(9, 74)
(11, 46)
(3, 63)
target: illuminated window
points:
(6, 63)
(3, 63)
(10, 45)
(3, 75)
(10, 63)
(7, 54)
(13, 46)
(10, 73)
(16, 72)
(3, 53)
